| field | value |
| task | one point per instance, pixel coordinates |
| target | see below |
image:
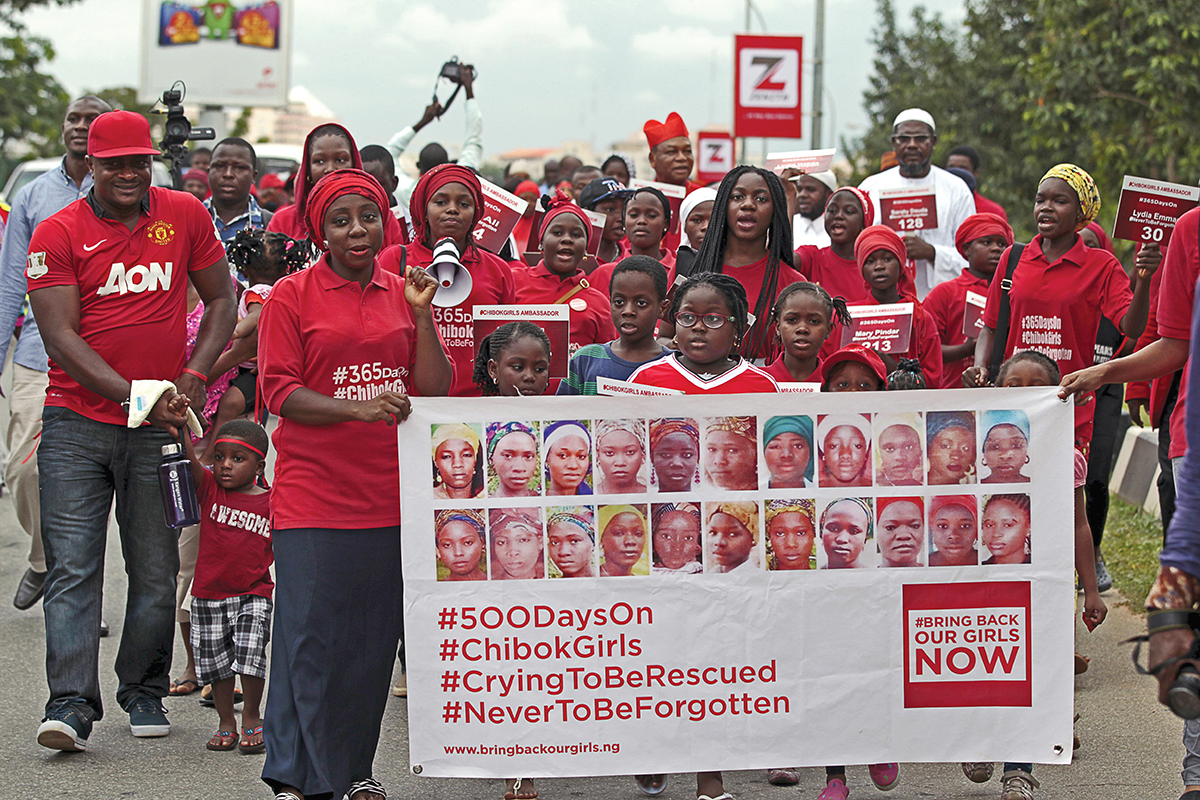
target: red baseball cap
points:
(270, 181)
(856, 352)
(120, 133)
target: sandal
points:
(207, 701)
(286, 796)
(783, 777)
(515, 793)
(244, 745)
(223, 740)
(182, 687)
(366, 785)
(647, 784)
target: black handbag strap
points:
(1004, 318)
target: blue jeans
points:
(82, 465)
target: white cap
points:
(827, 177)
(915, 115)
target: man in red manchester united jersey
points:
(108, 283)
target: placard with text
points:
(554, 319)
(886, 328)
(907, 210)
(632, 585)
(501, 211)
(1149, 209)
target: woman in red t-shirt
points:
(447, 203)
(749, 236)
(327, 147)
(335, 503)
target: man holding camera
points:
(107, 282)
(47, 194)
(433, 153)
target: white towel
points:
(142, 397)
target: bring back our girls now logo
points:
(967, 644)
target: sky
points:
(549, 70)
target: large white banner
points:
(601, 585)
(235, 53)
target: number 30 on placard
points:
(1151, 234)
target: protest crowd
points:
(192, 322)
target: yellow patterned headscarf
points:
(1085, 188)
(742, 426)
(745, 513)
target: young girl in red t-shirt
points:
(709, 315)
(847, 214)
(513, 360)
(804, 316)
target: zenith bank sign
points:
(766, 99)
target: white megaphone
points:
(454, 281)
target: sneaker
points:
(65, 729)
(1103, 579)
(148, 718)
(1018, 785)
(835, 790)
(978, 771)
(884, 776)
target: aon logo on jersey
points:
(136, 279)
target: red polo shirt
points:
(1056, 308)
(840, 277)
(668, 373)
(779, 371)
(132, 288)
(1180, 268)
(591, 312)
(491, 285)
(947, 304)
(321, 332)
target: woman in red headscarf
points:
(558, 278)
(336, 499)
(981, 239)
(328, 147)
(881, 256)
(847, 214)
(446, 204)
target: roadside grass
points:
(1132, 541)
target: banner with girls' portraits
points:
(633, 585)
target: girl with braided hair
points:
(709, 315)
(804, 316)
(749, 237)
(513, 360)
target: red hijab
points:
(338, 184)
(435, 179)
(881, 237)
(303, 187)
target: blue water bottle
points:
(181, 506)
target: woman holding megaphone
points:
(446, 205)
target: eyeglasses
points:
(713, 321)
(905, 139)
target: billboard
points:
(766, 86)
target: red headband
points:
(338, 184)
(868, 208)
(659, 132)
(435, 179)
(240, 443)
(561, 204)
(980, 225)
(965, 501)
(882, 503)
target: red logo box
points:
(967, 645)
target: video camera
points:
(177, 130)
(452, 71)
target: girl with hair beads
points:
(847, 214)
(749, 238)
(447, 203)
(1030, 368)
(513, 360)
(263, 257)
(709, 315)
(804, 317)
(881, 256)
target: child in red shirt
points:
(848, 213)
(981, 239)
(709, 315)
(558, 278)
(881, 256)
(231, 593)
(804, 317)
